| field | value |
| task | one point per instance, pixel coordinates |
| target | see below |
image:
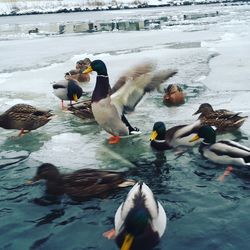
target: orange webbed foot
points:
(227, 172)
(114, 139)
(109, 234)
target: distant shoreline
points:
(107, 8)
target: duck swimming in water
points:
(174, 95)
(224, 120)
(24, 117)
(140, 221)
(223, 151)
(163, 139)
(81, 184)
(109, 105)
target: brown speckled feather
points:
(224, 120)
(24, 116)
(81, 184)
(82, 109)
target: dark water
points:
(203, 212)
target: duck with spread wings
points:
(110, 105)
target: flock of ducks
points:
(140, 221)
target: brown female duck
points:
(81, 184)
(24, 117)
(76, 74)
(82, 110)
(224, 120)
(174, 95)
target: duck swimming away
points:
(81, 184)
(110, 105)
(223, 151)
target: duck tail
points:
(127, 183)
(241, 120)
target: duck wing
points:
(131, 87)
(82, 109)
(21, 108)
(86, 183)
(230, 148)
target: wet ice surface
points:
(212, 60)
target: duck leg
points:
(22, 132)
(109, 234)
(62, 104)
(114, 139)
(125, 121)
(227, 172)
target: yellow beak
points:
(88, 70)
(75, 98)
(195, 138)
(153, 135)
(127, 243)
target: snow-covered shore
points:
(22, 7)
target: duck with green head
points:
(140, 221)
(177, 136)
(110, 105)
(67, 90)
(223, 151)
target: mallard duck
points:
(174, 95)
(224, 120)
(109, 106)
(82, 109)
(67, 90)
(81, 184)
(24, 117)
(162, 139)
(140, 221)
(221, 152)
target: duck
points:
(67, 90)
(24, 117)
(223, 119)
(110, 105)
(82, 110)
(174, 95)
(76, 74)
(226, 152)
(140, 221)
(162, 139)
(82, 184)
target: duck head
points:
(159, 131)
(98, 66)
(46, 171)
(54, 182)
(74, 90)
(204, 108)
(207, 133)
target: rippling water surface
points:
(212, 57)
